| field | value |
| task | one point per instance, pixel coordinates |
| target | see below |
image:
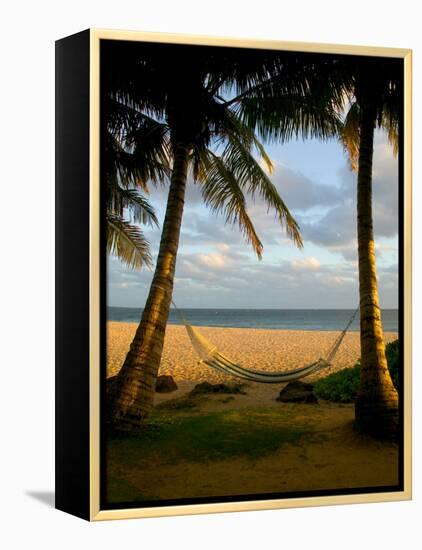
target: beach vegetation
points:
(343, 386)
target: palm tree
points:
(373, 88)
(377, 103)
(193, 100)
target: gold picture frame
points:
(91, 508)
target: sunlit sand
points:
(271, 350)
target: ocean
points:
(286, 319)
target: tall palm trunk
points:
(376, 406)
(132, 394)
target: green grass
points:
(209, 437)
(342, 386)
(181, 404)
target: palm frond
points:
(350, 135)
(137, 146)
(288, 73)
(127, 242)
(223, 194)
(138, 208)
(239, 160)
(149, 143)
(237, 132)
(281, 118)
(384, 92)
(390, 122)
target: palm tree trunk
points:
(376, 405)
(132, 395)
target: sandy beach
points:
(330, 453)
(270, 350)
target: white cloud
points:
(212, 260)
(310, 263)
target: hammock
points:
(211, 357)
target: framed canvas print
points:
(233, 281)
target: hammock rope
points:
(212, 357)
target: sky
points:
(216, 268)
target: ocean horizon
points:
(285, 319)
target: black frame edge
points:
(72, 92)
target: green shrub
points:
(392, 351)
(342, 386)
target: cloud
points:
(159, 193)
(307, 263)
(206, 228)
(336, 229)
(301, 193)
(212, 260)
(222, 247)
(237, 280)
(265, 284)
(202, 227)
(216, 268)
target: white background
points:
(27, 39)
